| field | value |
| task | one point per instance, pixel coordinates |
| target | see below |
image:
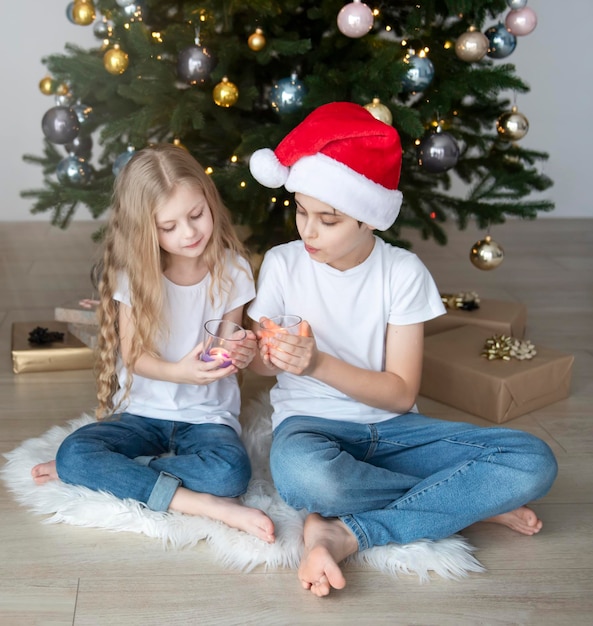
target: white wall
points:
(554, 60)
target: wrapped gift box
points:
(75, 313)
(87, 333)
(499, 317)
(455, 373)
(69, 354)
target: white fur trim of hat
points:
(343, 156)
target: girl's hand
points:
(193, 371)
(296, 354)
(245, 351)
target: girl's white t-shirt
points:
(348, 312)
(187, 309)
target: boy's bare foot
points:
(327, 542)
(227, 510)
(44, 472)
(523, 520)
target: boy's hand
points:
(296, 354)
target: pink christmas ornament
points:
(355, 19)
(521, 21)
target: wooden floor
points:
(59, 574)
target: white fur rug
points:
(79, 506)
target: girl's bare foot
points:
(44, 472)
(327, 543)
(523, 520)
(227, 510)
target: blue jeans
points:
(407, 478)
(123, 456)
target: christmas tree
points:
(224, 78)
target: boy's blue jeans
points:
(407, 478)
(123, 456)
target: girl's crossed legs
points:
(130, 457)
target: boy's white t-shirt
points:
(348, 312)
(187, 309)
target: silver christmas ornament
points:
(60, 124)
(516, 4)
(195, 64)
(438, 152)
(80, 146)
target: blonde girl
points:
(167, 433)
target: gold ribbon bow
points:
(507, 348)
(464, 300)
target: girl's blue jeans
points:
(148, 459)
(407, 478)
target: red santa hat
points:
(342, 155)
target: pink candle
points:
(215, 353)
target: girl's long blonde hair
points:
(131, 246)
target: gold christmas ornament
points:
(472, 45)
(379, 111)
(178, 144)
(62, 89)
(115, 60)
(225, 94)
(47, 86)
(83, 13)
(513, 125)
(486, 254)
(256, 40)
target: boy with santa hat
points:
(349, 446)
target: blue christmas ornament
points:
(84, 113)
(74, 170)
(70, 12)
(501, 42)
(122, 159)
(419, 75)
(287, 94)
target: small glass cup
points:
(220, 340)
(278, 325)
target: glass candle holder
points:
(221, 338)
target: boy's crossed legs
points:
(468, 474)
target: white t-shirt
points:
(348, 312)
(187, 309)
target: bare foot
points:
(327, 542)
(523, 520)
(44, 472)
(227, 510)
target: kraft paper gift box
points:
(87, 333)
(499, 317)
(69, 354)
(455, 373)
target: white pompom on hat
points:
(342, 155)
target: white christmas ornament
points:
(355, 19)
